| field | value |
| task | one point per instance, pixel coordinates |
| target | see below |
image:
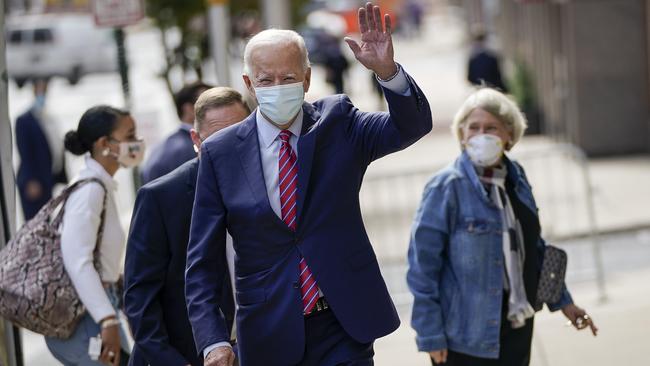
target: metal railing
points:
(558, 173)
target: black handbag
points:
(551, 278)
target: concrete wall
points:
(610, 76)
(589, 62)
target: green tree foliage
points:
(189, 17)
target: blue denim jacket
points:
(456, 262)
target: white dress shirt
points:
(268, 133)
(79, 236)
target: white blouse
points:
(79, 236)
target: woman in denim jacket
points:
(475, 252)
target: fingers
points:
(363, 20)
(354, 46)
(377, 18)
(372, 22)
(444, 356)
(389, 24)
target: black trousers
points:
(514, 347)
(327, 344)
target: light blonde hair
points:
(278, 37)
(498, 105)
(215, 98)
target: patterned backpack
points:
(35, 290)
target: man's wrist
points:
(388, 73)
(212, 347)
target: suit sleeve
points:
(378, 134)
(429, 238)
(206, 259)
(147, 257)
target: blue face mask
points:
(39, 101)
(280, 103)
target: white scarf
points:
(514, 254)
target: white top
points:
(268, 133)
(79, 236)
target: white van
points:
(67, 45)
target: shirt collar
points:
(98, 171)
(268, 132)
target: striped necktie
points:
(288, 171)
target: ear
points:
(307, 80)
(196, 140)
(249, 86)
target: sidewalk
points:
(623, 318)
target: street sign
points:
(117, 13)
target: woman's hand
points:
(579, 318)
(110, 344)
(439, 356)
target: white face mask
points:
(131, 153)
(280, 103)
(484, 150)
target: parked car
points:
(67, 45)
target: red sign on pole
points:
(117, 13)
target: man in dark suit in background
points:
(483, 67)
(285, 184)
(177, 148)
(155, 257)
(42, 163)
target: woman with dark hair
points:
(107, 137)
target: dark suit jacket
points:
(35, 163)
(484, 68)
(169, 155)
(337, 143)
(154, 272)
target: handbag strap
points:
(63, 198)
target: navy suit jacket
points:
(336, 145)
(35, 163)
(154, 272)
(169, 155)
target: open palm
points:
(376, 49)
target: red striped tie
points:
(288, 199)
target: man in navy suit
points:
(285, 184)
(155, 258)
(177, 148)
(40, 147)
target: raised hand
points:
(376, 49)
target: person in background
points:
(285, 184)
(155, 256)
(483, 67)
(177, 148)
(41, 153)
(476, 251)
(106, 136)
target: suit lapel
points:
(306, 145)
(248, 150)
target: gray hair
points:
(215, 98)
(498, 105)
(276, 37)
